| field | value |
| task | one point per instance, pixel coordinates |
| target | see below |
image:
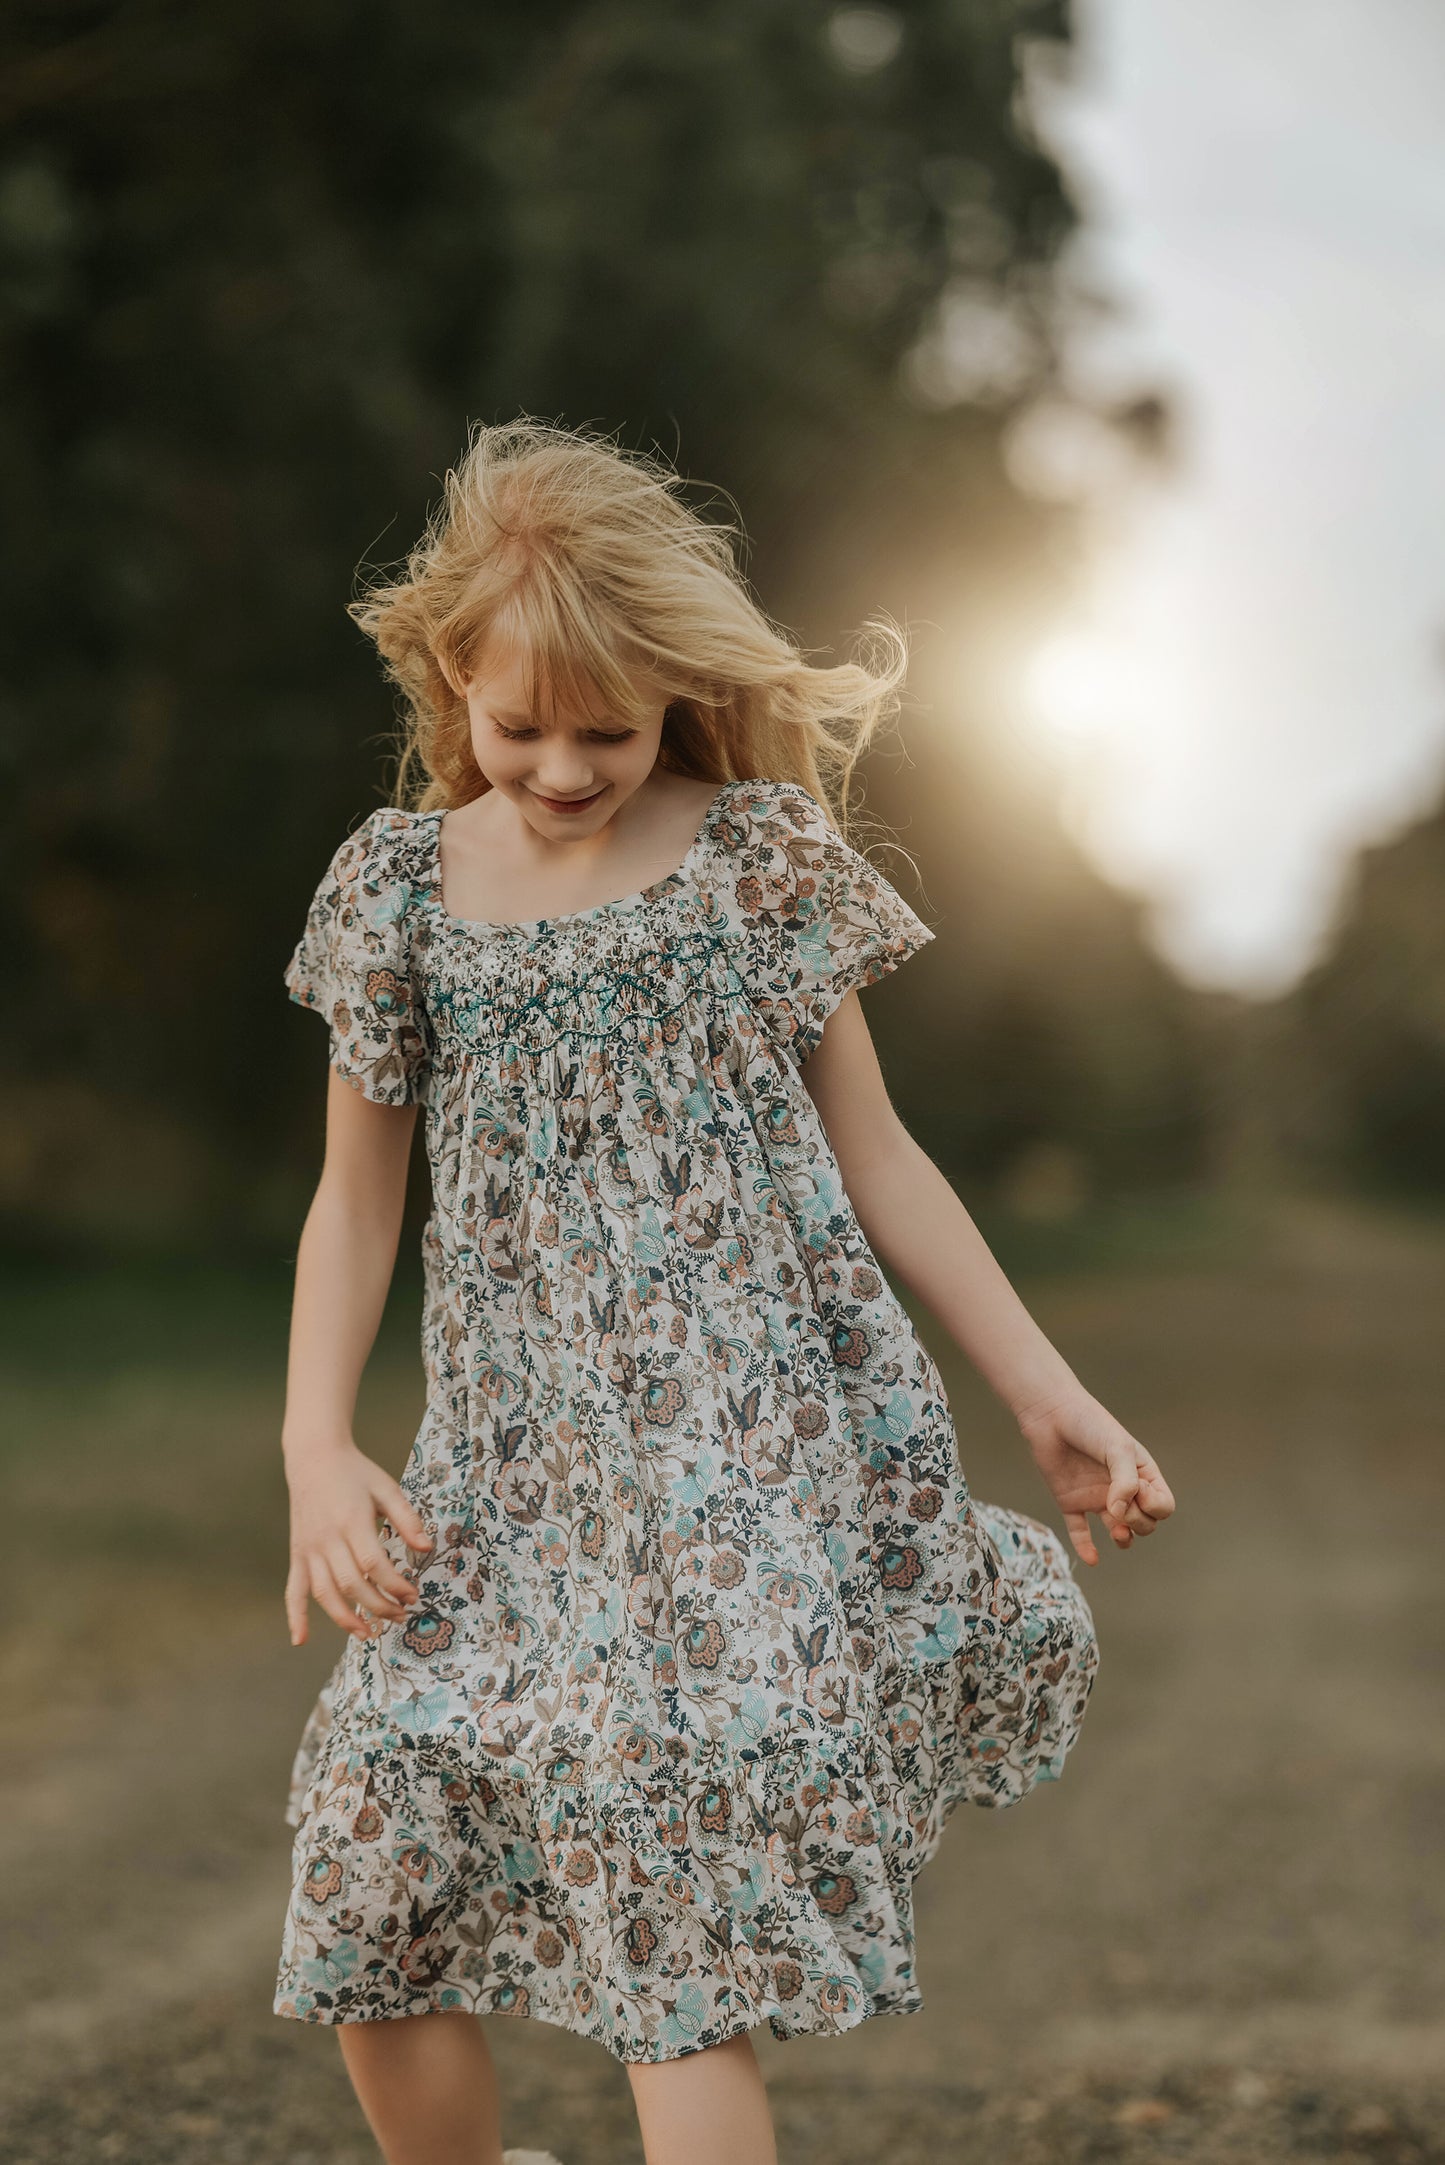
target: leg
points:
(708, 2108)
(427, 2087)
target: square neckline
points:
(638, 899)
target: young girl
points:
(681, 1636)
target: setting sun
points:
(1082, 685)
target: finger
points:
(1138, 1520)
(357, 1588)
(298, 1590)
(1077, 1527)
(383, 1573)
(393, 1501)
(1156, 1496)
(1123, 1477)
(1120, 1535)
(379, 1572)
(1149, 1474)
(324, 1590)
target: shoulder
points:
(780, 829)
(389, 843)
(808, 918)
(378, 867)
(787, 860)
(783, 803)
(390, 828)
(759, 815)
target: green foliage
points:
(1040, 1020)
(1363, 1088)
(259, 267)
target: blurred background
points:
(1104, 347)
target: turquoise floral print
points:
(713, 1637)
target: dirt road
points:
(1219, 1938)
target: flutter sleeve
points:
(353, 965)
(809, 919)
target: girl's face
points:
(568, 773)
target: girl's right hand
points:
(337, 1555)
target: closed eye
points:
(597, 736)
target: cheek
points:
(499, 761)
(629, 765)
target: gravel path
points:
(1219, 1938)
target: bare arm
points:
(344, 1265)
(917, 1226)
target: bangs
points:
(584, 571)
(575, 658)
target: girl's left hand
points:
(1093, 1465)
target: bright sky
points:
(1257, 682)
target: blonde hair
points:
(589, 560)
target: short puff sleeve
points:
(353, 964)
(808, 918)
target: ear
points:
(451, 676)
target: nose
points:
(566, 784)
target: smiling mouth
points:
(569, 804)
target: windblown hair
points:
(588, 560)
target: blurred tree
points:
(259, 265)
(1041, 1019)
(1360, 1081)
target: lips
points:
(569, 804)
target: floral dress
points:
(712, 1638)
